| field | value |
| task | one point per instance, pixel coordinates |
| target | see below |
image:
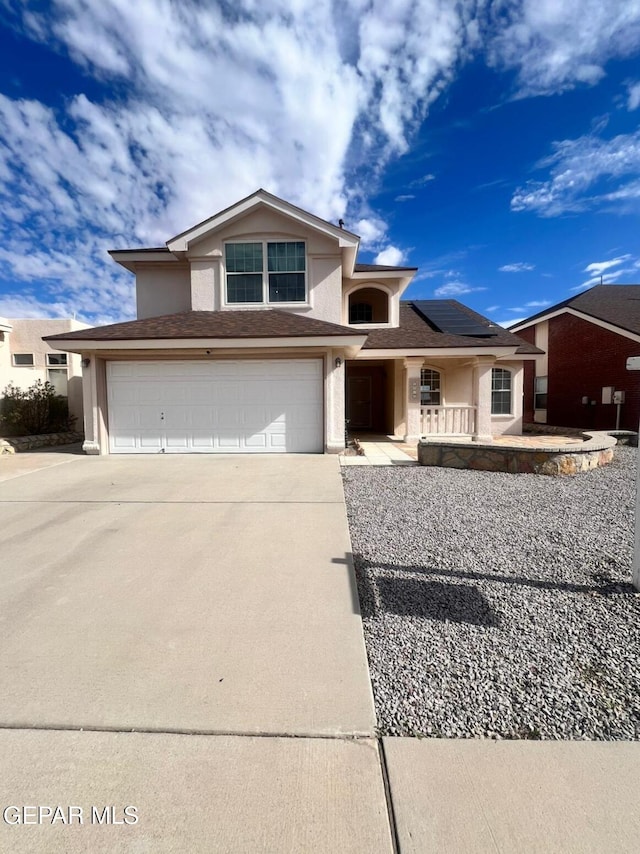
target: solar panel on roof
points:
(452, 319)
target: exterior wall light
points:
(85, 362)
(338, 362)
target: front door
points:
(359, 409)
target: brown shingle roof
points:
(415, 333)
(268, 323)
(615, 304)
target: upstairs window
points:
(282, 281)
(500, 392)
(368, 305)
(429, 387)
(23, 360)
(244, 272)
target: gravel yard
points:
(499, 605)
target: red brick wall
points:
(583, 358)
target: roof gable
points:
(614, 305)
(181, 242)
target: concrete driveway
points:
(183, 593)
(202, 602)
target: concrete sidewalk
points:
(514, 797)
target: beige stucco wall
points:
(26, 337)
(162, 289)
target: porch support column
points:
(334, 402)
(482, 397)
(413, 421)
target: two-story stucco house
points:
(259, 331)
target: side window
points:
(57, 372)
(500, 392)
(430, 387)
(23, 360)
(540, 393)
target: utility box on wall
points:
(618, 397)
(607, 393)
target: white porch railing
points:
(448, 420)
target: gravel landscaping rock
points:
(499, 605)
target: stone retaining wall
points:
(596, 450)
(17, 444)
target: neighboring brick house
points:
(587, 340)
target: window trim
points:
(362, 286)
(16, 365)
(57, 367)
(509, 373)
(305, 303)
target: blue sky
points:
(495, 144)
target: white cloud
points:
(492, 308)
(455, 289)
(598, 267)
(423, 181)
(308, 98)
(511, 321)
(519, 267)
(404, 198)
(392, 256)
(557, 44)
(212, 102)
(579, 168)
(633, 96)
(371, 230)
(540, 303)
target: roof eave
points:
(352, 343)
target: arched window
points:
(500, 391)
(369, 305)
(429, 387)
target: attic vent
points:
(450, 318)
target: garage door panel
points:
(231, 406)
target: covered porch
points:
(418, 397)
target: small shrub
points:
(38, 409)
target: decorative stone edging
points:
(596, 450)
(16, 444)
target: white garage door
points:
(223, 407)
